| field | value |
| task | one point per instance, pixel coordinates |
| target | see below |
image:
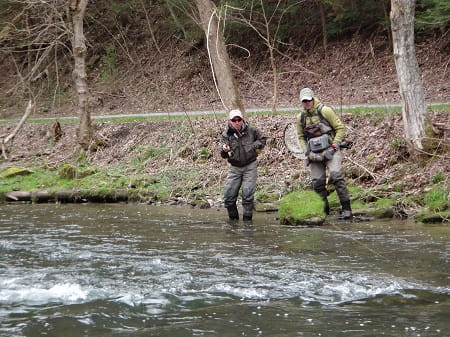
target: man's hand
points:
(226, 148)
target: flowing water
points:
(138, 270)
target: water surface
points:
(138, 270)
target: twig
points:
(150, 27)
(19, 125)
(190, 121)
(112, 95)
(445, 70)
(373, 175)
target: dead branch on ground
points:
(10, 137)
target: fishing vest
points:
(322, 119)
(319, 135)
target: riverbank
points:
(176, 161)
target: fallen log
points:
(18, 196)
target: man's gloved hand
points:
(226, 151)
(315, 157)
(328, 155)
(306, 153)
(335, 146)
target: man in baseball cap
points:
(241, 144)
(320, 133)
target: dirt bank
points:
(378, 156)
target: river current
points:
(139, 270)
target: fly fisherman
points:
(320, 131)
(241, 144)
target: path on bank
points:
(218, 112)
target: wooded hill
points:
(145, 56)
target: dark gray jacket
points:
(243, 145)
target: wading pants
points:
(241, 176)
(319, 178)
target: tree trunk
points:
(219, 59)
(323, 21)
(408, 73)
(84, 129)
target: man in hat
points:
(320, 133)
(241, 144)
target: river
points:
(140, 270)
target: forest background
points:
(150, 56)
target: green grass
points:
(376, 113)
(104, 182)
(443, 107)
(437, 199)
(39, 180)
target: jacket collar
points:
(313, 110)
(231, 130)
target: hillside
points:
(355, 71)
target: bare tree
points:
(77, 9)
(149, 25)
(413, 101)
(219, 58)
(33, 41)
(175, 19)
(266, 25)
(323, 21)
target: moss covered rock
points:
(85, 173)
(429, 216)
(67, 171)
(15, 171)
(302, 208)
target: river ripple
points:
(139, 270)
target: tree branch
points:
(17, 128)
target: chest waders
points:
(336, 178)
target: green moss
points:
(357, 205)
(67, 171)
(428, 216)
(266, 197)
(85, 173)
(141, 181)
(353, 190)
(14, 171)
(385, 202)
(382, 212)
(300, 206)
